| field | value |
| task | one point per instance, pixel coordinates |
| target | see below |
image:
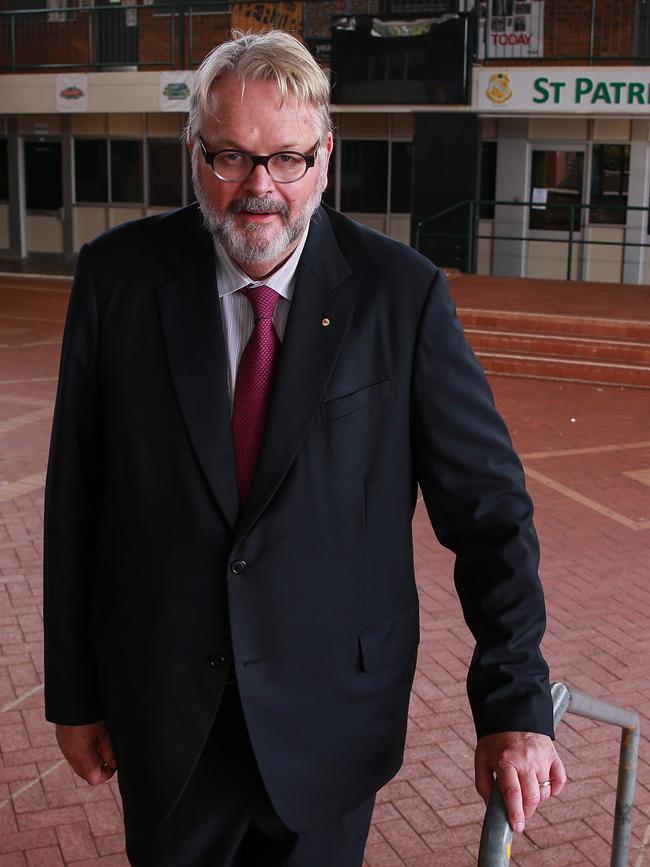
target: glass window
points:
(364, 176)
(4, 169)
(556, 183)
(165, 172)
(90, 170)
(488, 179)
(610, 172)
(126, 171)
(400, 177)
(43, 176)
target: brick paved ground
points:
(587, 451)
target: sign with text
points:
(511, 28)
(557, 90)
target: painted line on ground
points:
(587, 501)
(12, 704)
(590, 450)
(27, 786)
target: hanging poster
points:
(511, 28)
(72, 91)
(284, 15)
(175, 90)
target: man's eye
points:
(232, 157)
(287, 159)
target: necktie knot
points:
(263, 300)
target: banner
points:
(175, 90)
(511, 28)
(72, 92)
(565, 90)
(285, 15)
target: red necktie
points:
(253, 386)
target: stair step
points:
(540, 367)
(583, 348)
(551, 324)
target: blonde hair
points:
(271, 56)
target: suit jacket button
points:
(214, 660)
(238, 566)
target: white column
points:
(509, 257)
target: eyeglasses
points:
(284, 167)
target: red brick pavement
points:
(587, 452)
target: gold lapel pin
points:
(325, 322)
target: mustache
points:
(259, 205)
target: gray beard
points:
(249, 244)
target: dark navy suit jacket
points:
(153, 574)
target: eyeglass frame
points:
(257, 160)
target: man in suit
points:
(251, 391)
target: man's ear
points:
(329, 147)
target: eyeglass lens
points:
(235, 166)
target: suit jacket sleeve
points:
(72, 502)
(473, 487)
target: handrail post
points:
(13, 43)
(181, 35)
(570, 253)
(470, 239)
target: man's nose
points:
(259, 182)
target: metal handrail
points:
(472, 235)
(496, 838)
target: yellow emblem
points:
(499, 90)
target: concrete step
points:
(573, 370)
(567, 347)
(548, 346)
(567, 326)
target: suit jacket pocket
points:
(387, 641)
(363, 397)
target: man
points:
(231, 610)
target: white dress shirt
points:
(236, 310)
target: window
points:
(126, 171)
(43, 176)
(556, 183)
(90, 170)
(488, 179)
(165, 172)
(400, 177)
(364, 176)
(610, 172)
(4, 169)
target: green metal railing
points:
(473, 234)
(496, 839)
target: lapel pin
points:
(325, 322)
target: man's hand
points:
(520, 761)
(88, 750)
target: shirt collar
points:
(231, 278)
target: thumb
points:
(484, 780)
(105, 749)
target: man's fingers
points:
(530, 791)
(508, 780)
(557, 776)
(88, 750)
(105, 750)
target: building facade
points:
(501, 136)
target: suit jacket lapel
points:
(193, 331)
(309, 351)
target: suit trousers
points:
(224, 817)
